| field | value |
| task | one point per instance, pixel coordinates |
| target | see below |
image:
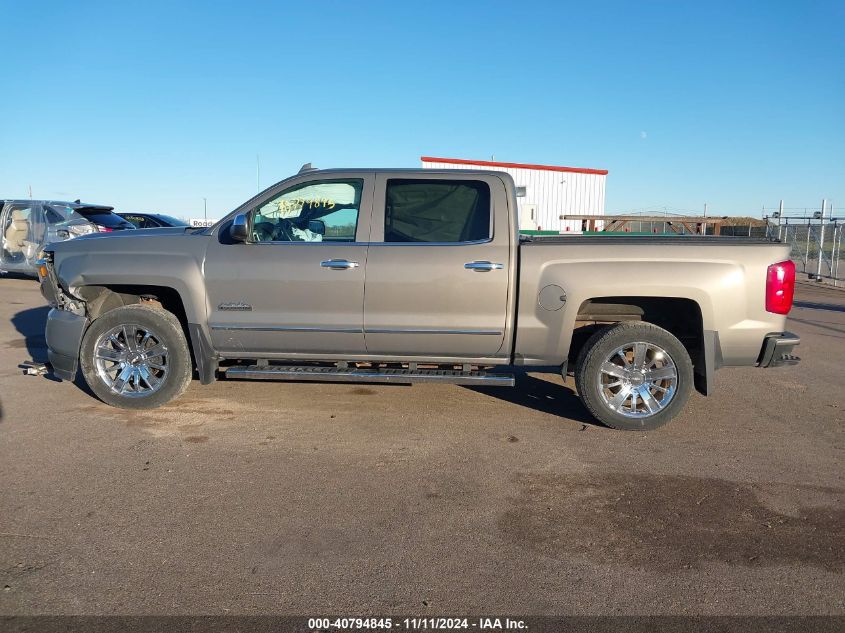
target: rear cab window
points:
(437, 211)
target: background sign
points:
(200, 222)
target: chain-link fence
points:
(816, 244)
(815, 237)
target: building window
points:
(520, 192)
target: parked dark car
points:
(105, 218)
(152, 220)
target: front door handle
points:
(483, 267)
(338, 264)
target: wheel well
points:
(102, 299)
(681, 317)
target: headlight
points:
(41, 265)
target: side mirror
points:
(239, 231)
(317, 226)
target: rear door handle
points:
(483, 267)
(338, 264)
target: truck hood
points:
(120, 239)
(170, 230)
(133, 242)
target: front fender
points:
(170, 261)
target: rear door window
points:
(440, 211)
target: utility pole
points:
(780, 217)
(30, 192)
(205, 208)
(705, 209)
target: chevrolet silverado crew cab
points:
(406, 276)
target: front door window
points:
(324, 211)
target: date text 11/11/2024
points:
(417, 624)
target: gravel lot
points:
(249, 498)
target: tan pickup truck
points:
(403, 276)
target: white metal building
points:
(544, 192)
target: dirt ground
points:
(307, 499)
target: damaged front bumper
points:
(64, 338)
(66, 323)
(777, 350)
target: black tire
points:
(167, 332)
(594, 393)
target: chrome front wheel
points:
(136, 357)
(131, 360)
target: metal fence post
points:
(807, 256)
(821, 243)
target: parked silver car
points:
(27, 226)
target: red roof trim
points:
(489, 163)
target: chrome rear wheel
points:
(638, 379)
(634, 376)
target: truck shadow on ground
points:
(822, 325)
(30, 325)
(542, 395)
(812, 305)
(529, 392)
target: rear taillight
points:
(104, 229)
(780, 287)
(81, 229)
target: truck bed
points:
(724, 277)
(709, 240)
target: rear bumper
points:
(777, 350)
(64, 336)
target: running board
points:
(352, 374)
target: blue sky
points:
(153, 106)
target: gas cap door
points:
(552, 298)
